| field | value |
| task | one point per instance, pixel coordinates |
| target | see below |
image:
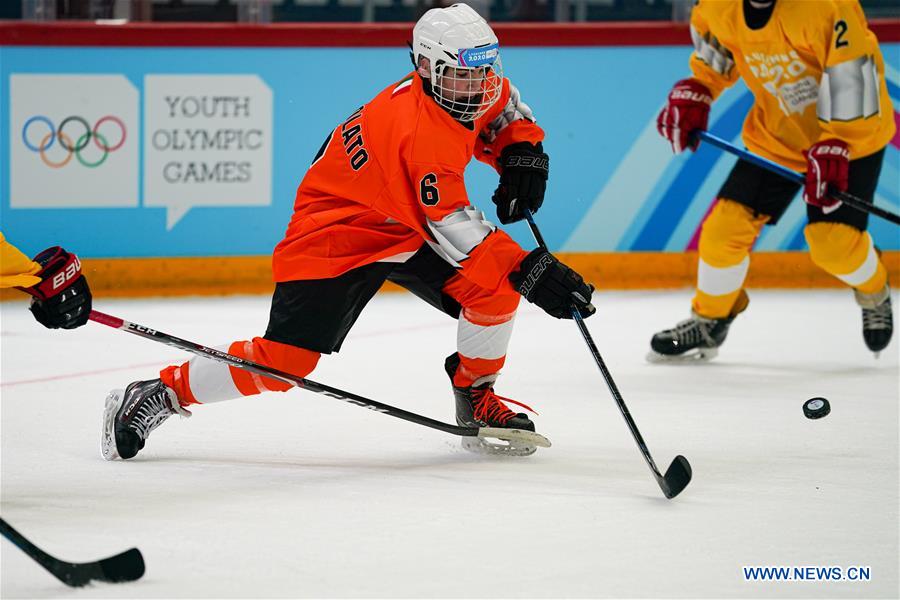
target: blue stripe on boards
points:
(681, 192)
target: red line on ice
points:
(161, 363)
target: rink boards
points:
(200, 135)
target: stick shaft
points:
(300, 382)
(23, 543)
(764, 163)
(607, 376)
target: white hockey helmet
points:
(466, 77)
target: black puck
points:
(816, 408)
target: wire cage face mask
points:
(468, 89)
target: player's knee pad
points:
(847, 253)
(835, 244)
(475, 298)
(284, 357)
(726, 238)
(728, 233)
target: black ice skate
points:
(478, 406)
(696, 339)
(130, 416)
(877, 318)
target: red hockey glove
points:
(827, 166)
(62, 298)
(687, 110)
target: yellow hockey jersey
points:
(815, 70)
(16, 269)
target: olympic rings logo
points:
(65, 141)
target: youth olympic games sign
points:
(208, 142)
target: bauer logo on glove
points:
(553, 286)
(686, 111)
(524, 169)
(827, 167)
(63, 298)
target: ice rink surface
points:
(300, 495)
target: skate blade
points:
(515, 442)
(108, 448)
(698, 355)
(483, 446)
(514, 436)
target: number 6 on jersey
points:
(428, 193)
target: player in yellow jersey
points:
(60, 296)
(820, 106)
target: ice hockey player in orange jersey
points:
(384, 199)
(820, 106)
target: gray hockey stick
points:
(512, 436)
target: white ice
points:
(300, 495)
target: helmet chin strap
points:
(412, 57)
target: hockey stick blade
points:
(126, 566)
(677, 477)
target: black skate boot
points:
(478, 406)
(130, 416)
(877, 317)
(695, 339)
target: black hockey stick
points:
(848, 199)
(678, 475)
(508, 435)
(127, 566)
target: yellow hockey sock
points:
(848, 254)
(726, 237)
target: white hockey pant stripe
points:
(717, 281)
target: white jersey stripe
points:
(458, 233)
(849, 91)
(708, 49)
(403, 85)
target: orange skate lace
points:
(489, 407)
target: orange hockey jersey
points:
(815, 70)
(389, 179)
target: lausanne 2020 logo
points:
(73, 137)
